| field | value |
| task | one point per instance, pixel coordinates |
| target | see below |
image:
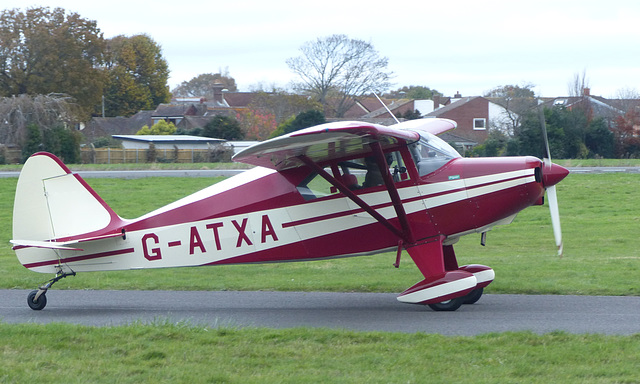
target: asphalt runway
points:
(352, 311)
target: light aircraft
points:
(334, 190)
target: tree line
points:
(574, 132)
(50, 51)
(57, 69)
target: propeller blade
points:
(551, 190)
(555, 217)
(543, 125)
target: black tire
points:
(36, 305)
(449, 305)
(473, 296)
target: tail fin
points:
(53, 206)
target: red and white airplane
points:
(334, 190)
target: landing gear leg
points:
(37, 299)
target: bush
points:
(223, 127)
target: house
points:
(185, 113)
(167, 141)
(175, 113)
(471, 114)
(107, 126)
(595, 106)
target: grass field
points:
(600, 219)
(165, 353)
(137, 166)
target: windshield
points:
(431, 153)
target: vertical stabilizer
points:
(52, 203)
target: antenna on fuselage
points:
(387, 108)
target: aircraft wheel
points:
(449, 305)
(36, 305)
(473, 296)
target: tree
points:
(530, 140)
(578, 84)
(336, 70)
(412, 115)
(256, 124)
(160, 128)
(138, 75)
(599, 139)
(200, 86)
(414, 92)
(45, 51)
(627, 137)
(223, 127)
(302, 120)
(572, 123)
(493, 146)
(517, 101)
(21, 113)
(283, 104)
(571, 135)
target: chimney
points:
(586, 92)
(436, 102)
(217, 92)
(457, 95)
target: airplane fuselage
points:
(261, 216)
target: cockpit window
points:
(431, 153)
(356, 174)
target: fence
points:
(122, 156)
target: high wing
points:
(323, 143)
(435, 126)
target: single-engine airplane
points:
(334, 190)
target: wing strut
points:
(393, 192)
(405, 234)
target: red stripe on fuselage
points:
(80, 258)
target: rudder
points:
(52, 204)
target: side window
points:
(356, 174)
(431, 153)
(315, 186)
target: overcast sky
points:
(468, 46)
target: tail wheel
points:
(36, 304)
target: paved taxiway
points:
(354, 311)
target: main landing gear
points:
(37, 299)
(453, 304)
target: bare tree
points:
(578, 84)
(43, 111)
(517, 101)
(626, 99)
(336, 70)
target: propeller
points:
(552, 174)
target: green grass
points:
(598, 162)
(181, 166)
(600, 220)
(600, 217)
(165, 353)
(139, 166)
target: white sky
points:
(468, 46)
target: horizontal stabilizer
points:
(65, 245)
(45, 244)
